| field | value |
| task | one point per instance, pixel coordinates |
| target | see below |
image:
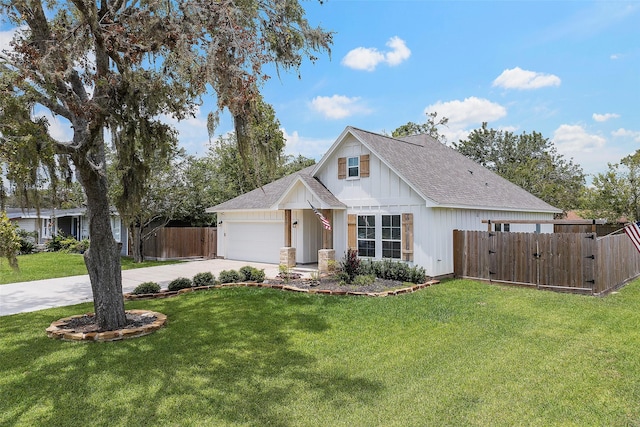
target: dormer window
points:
(353, 167)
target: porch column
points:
(287, 228)
(327, 235)
(287, 253)
(327, 255)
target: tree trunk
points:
(103, 257)
(136, 243)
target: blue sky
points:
(568, 69)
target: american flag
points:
(633, 231)
(325, 221)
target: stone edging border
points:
(408, 290)
(56, 330)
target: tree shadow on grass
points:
(230, 356)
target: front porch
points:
(316, 238)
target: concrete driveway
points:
(40, 294)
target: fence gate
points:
(560, 261)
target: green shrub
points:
(363, 279)
(146, 288)
(204, 279)
(393, 270)
(68, 244)
(400, 271)
(250, 273)
(180, 283)
(229, 276)
(71, 245)
(27, 241)
(341, 276)
(55, 244)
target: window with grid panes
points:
(391, 236)
(353, 167)
(367, 236)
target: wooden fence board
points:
(578, 262)
(182, 242)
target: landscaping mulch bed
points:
(331, 284)
(87, 322)
(84, 328)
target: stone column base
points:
(288, 257)
(326, 260)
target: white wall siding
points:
(299, 198)
(382, 187)
(306, 236)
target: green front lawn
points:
(458, 353)
(48, 265)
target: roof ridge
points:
(387, 136)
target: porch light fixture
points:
(294, 224)
(220, 223)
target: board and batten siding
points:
(382, 187)
(298, 198)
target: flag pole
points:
(615, 232)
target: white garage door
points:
(254, 241)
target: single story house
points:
(70, 222)
(398, 198)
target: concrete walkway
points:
(40, 294)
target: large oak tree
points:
(117, 65)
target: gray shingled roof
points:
(437, 172)
(265, 197)
(447, 177)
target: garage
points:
(254, 241)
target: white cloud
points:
(604, 117)
(614, 56)
(362, 58)
(399, 53)
(308, 147)
(624, 133)
(59, 127)
(517, 78)
(573, 140)
(338, 106)
(470, 111)
(6, 37)
(193, 135)
(366, 58)
(465, 114)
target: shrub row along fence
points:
(182, 242)
(570, 262)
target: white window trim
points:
(382, 239)
(375, 236)
(357, 166)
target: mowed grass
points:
(48, 265)
(458, 353)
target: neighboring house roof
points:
(268, 195)
(31, 213)
(435, 171)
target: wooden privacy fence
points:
(572, 262)
(182, 242)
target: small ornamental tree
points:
(9, 240)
